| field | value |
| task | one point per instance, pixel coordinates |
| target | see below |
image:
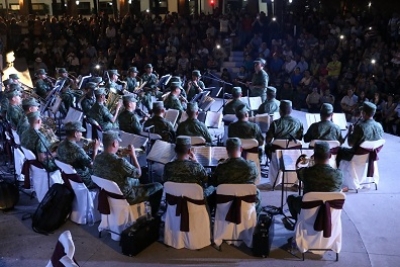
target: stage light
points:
(341, 37)
(273, 19)
(373, 61)
(97, 66)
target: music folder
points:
(164, 80)
(162, 152)
(209, 156)
(213, 119)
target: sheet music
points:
(312, 118)
(73, 115)
(139, 141)
(172, 115)
(340, 120)
(203, 154)
(218, 153)
(162, 152)
(213, 119)
(289, 157)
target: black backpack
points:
(9, 195)
(53, 211)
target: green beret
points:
(96, 80)
(158, 104)
(13, 76)
(242, 109)
(100, 91)
(33, 116)
(74, 126)
(13, 93)
(176, 84)
(192, 107)
(285, 104)
(148, 66)
(321, 149)
(113, 72)
(30, 102)
(40, 72)
(326, 108)
(196, 73)
(111, 136)
(91, 85)
(233, 143)
(183, 141)
(259, 60)
(236, 90)
(133, 69)
(368, 107)
(62, 70)
(175, 79)
(129, 98)
(271, 89)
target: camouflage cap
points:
(62, 70)
(113, 72)
(32, 116)
(183, 141)
(13, 76)
(14, 86)
(111, 136)
(100, 91)
(176, 84)
(91, 85)
(368, 107)
(148, 66)
(74, 126)
(326, 108)
(158, 104)
(242, 109)
(133, 69)
(233, 143)
(259, 60)
(13, 93)
(236, 90)
(175, 79)
(271, 89)
(96, 80)
(7, 82)
(129, 98)
(192, 107)
(40, 72)
(321, 149)
(30, 102)
(285, 104)
(196, 73)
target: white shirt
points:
(349, 100)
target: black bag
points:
(9, 195)
(140, 235)
(263, 235)
(53, 210)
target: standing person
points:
(259, 83)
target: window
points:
(40, 8)
(84, 8)
(14, 6)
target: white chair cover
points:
(151, 136)
(19, 159)
(195, 140)
(68, 247)
(83, 208)
(89, 129)
(275, 173)
(263, 121)
(332, 144)
(243, 232)
(199, 235)
(39, 178)
(172, 116)
(122, 215)
(16, 137)
(249, 144)
(355, 171)
(306, 237)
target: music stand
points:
(214, 78)
(163, 81)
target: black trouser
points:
(294, 204)
(155, 201)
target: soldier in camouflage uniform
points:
(243, 128)
(325, 129)
(131, 79)
(66, 95)
(4, 99)
(186, 169)
(35, 141)
(101, 114)
(71, 153)
(173, 80)
(162, 127)
(150, 88)
(88, 99)
(173, 101)
(14, 78)
(109, 166)
(43, 87)
(127, 120)
(112, 82)
(192, 126)
(14, 111)
(28, 105)
(259, 82)
(231, 107)
(271, 105)
(320, 177)
(194, 86)
(235, 169)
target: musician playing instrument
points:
(320, 177)
(88, 99)
(71, 153)
(28, 105)
(194, 86)
(37, 142)
(132, 79)
(259, 83)
(109, 166)
(175, 100)
(231, 107)
(151, 86)
(101, 114)
(192, 126)
(43, 85)
(14, 78)
(112, 81)
(4, 100)
(67, 95)
(68, 82)
(14, 110)
(127, 120)
(162, 127)
(271, 105)
(324, 129)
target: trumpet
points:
(305, 161)
(125, 151)
(88, 144)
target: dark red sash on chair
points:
(59, 252)
(335, 150)
(182, 209)
(235, 210)
(275, 147)
(73, 177)
(323, 220)
(104, 206)
(26, 171)
(373, 156)
(250, 150)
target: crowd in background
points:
(311, 58)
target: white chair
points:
(195, 140)
(152, 136)
(275, 174)
(332, 145)
(250, 149)
(316, 241)
(84, 203)
(122, 215)
(39, 178)
(197, 235)
(263, 121)
(172, 116)
(64, 252)
(355, 172)
(234, 232)
(19, 157)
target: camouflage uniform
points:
(270, 106)
(245, 130)
(151, 80)
(192, 90)
(23, 125)
(72, 154)
(42, 88)
(129, 122)
(14, 114)
(367, 130)
(260, 79)
(284, 127)
(102, 115)
(194, 127)
(131, 84)
(67, 101)
(173, 102)
(87, 103)
(231, 107)
(162, 127)
(4, 105)
(111, 167)
(111, 84)
(37, 143)
(323, 130)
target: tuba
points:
(48, 129)
(113, 98)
